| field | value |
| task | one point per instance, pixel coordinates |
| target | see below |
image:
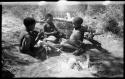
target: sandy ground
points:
(60, 65)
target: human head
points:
(77, 21)
(49, 17)
(29, 23)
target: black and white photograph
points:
(62, 39)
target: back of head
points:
(77, 20)
(29, 23)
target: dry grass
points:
(26, 66)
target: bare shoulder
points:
(23, 33)
(75, 33)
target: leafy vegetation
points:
(110, 16)
(106, 19)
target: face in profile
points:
(75, 25)
(49, 19)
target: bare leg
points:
(68, 45)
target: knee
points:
(63, 42)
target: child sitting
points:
(49, 28)
(75, 41)
(29, 38)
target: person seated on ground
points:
(29, 38)
(49, 28)
(76, 39)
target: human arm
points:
(25, 43)
(39, 36)
(50, 33)
(47, 29)
(62, 20)
(40, 21)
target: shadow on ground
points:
(107, 64)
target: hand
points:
(55, 32)
(40, 34)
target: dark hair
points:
(28, 22)
(48, 15)
(77, 20)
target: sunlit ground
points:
(61, 66)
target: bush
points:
(112, 26)
(65, 27)
(95, 15)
